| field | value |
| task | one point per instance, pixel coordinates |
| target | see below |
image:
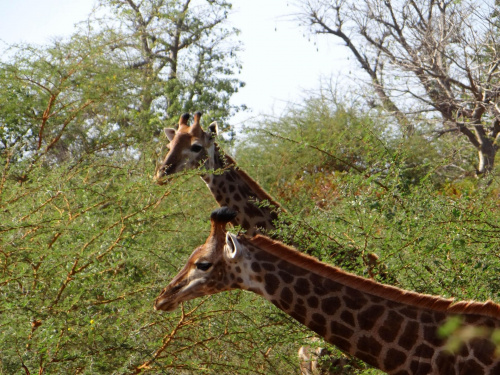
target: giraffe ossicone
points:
(392, 329)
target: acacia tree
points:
(436, 61)
(185, 52)
(106, 88)
(51, 98)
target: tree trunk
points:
(486, 152)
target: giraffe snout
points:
(166, 301)
(162, 173)
(163, 305)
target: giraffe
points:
(394, 330)
(191, 147)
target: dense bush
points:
(86, 247)
(393, 202)
(434, 231)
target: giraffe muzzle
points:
(165, 305)
(162, 174)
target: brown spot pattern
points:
(340, 342)
(313, 302)
(393, 359)
(370, 345)
(418, 367)
(347, 317)
(301, 310)
(302, 286)
(332, 286)
(409, 337)
(444, 363)
(287, 295)
(330, 305)
(471, 367)
(409, 312)
(369, 316)
(391, 326)
(265, 257)
(271, 283)
(484, 350)
(255, 267)
(319, 319)
(424, 351)
(291, 269)
(286, 277)
(340, 329)
(268, 267)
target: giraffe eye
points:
(196, 148)
(204, 266)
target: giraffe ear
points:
(170, 133)
(213, 129)
(232, 248)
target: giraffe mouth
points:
(163, 173)
(165, 305)
(162, 177)
(168, 298)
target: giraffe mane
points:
(489, 308)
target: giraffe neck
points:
(233, 188)
(391, 329)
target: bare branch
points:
(442, 55)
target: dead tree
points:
(432, 60)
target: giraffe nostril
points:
(168, 169)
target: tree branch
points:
(378, 87)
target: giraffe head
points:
(206, 271)
(190, 147)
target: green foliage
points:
(386, 209)
(87, 246)
(68, 100)
(88, 240)
(185, 52)
(111, 86)
(385, 199)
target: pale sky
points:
(280, 65)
